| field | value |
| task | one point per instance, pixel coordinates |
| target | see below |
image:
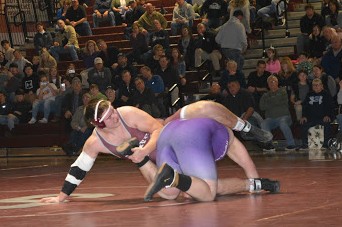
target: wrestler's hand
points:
(138, 154)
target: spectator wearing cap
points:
(19, 60)
(20, 113)
(42, 39)
(76, 16)
(111, 96)
(80, 130)
(8, 50)
(118, 68)
(72, 100)
(100, 75)
(30, 83)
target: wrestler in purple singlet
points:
(193, 146)
(143, 137)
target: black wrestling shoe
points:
(166, 177)
(272, 186)
(124, 149)
(259, 134)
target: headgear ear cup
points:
(99, 121)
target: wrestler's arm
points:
(78, 170)
(144, 122)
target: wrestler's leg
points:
(239, 154)
(228, 186)
(218, 112)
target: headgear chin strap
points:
(99, 121)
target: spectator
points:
(215, 94)
(120, 9)
(277, 114)
(241, 103)
(331, 60)
(12, 85)
(30, 83)
(186, 46)
(272, 63)
(80, 130)
(42, 39)
(3, 60)
(138, 43)
(153, 61)
(61, 12)
(334, 18)
(8, 50)
(232, 38)
(206, 48)
(20, 111)
(339, 101)
(111, 96)
(46, 94)
(100, 75)
(72, 100)
(126, 89)
(5, 109)
(317, 43)
(50, 10)
(13, 68)
(305, 64)
(103, 12)
(274, 10)
(317, 110)
(159, 36)
(135, 12)
(35, 63)
(307, 22)
(287, 76)
(65, 42)
(46, 62)
(108, 54)
(19, 60)
(232, 73)
(90, 52)
(183, 15)
(244, 6)
(153, 82)
(95, 92)
(146, 21)
(167, 73)
(144, 99)
(121, 66)
(257, 82)
(298, 93)
(328, 82)
(178, 63)
(325, 10)
(215, 10)
(76, 16)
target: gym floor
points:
(112, 194)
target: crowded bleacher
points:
(161, 55)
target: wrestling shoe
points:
(166, 177)
(125, 149)
(259, 134)
(272, 186)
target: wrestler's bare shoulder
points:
(92, 146)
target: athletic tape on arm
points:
(77, 172)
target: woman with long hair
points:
(90, 52)
(46, 61)
(186, 47)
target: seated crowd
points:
(279, 93)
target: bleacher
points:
(55, 134)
